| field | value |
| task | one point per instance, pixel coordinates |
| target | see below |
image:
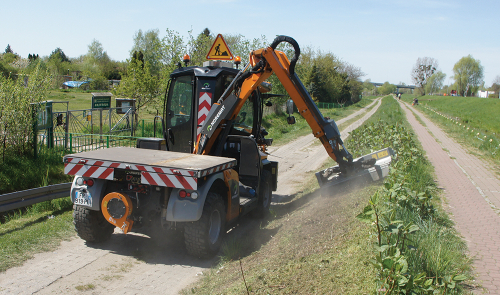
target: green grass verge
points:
(282, 133)
(416, 248)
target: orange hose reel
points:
(117, 209)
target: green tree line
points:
(327, 77)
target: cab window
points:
(181, 100)
(244, 121)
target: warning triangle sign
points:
(220, 50)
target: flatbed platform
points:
(163, 168)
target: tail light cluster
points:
(88, 182)
(185, 194)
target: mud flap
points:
(330, 177)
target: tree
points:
(422, 70)
(59, 55)
(368, 87)
(150, 45)
(435, 82)
(8, 49)
(468, 75)
(140, 84)
(386, 88)
(495, 86)
(198, 47)
(97, 66)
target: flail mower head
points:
(371, 167)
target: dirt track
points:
(137, 264)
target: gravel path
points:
(472, 194)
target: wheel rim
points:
(215, 224)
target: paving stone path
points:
(472, 195)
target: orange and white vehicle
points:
(210, 166)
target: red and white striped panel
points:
(218, 168)
(204, 106)
(95, 169)
(168, 180)
(158, 176)
(69, 167)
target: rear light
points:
(183, 194)
(89, 182)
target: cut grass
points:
(315, 246)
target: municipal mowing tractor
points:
(210, 166)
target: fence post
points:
(107, 141)
(71, 142)
(66, 129)
(142, 127)
(35, 129)
(132, 114)
(110, 117)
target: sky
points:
(384, 38)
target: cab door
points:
(179, 115)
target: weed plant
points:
(416, 249)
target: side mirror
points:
(289, 106)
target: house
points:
(485, 93)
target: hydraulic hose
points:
(296, 48)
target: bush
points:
(16, 97)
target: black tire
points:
(265, 196)
(203, 238)
(90, 225)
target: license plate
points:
(83, 198)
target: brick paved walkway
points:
(472, 196)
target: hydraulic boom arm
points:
(263, 63)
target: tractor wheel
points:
(90, 225)
(203, 237)
(265, 196)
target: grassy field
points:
(473, 111)
(311, 245)
(471, 121)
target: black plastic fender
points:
(189, 209)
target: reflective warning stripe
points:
(158, 176)
(204, 106)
